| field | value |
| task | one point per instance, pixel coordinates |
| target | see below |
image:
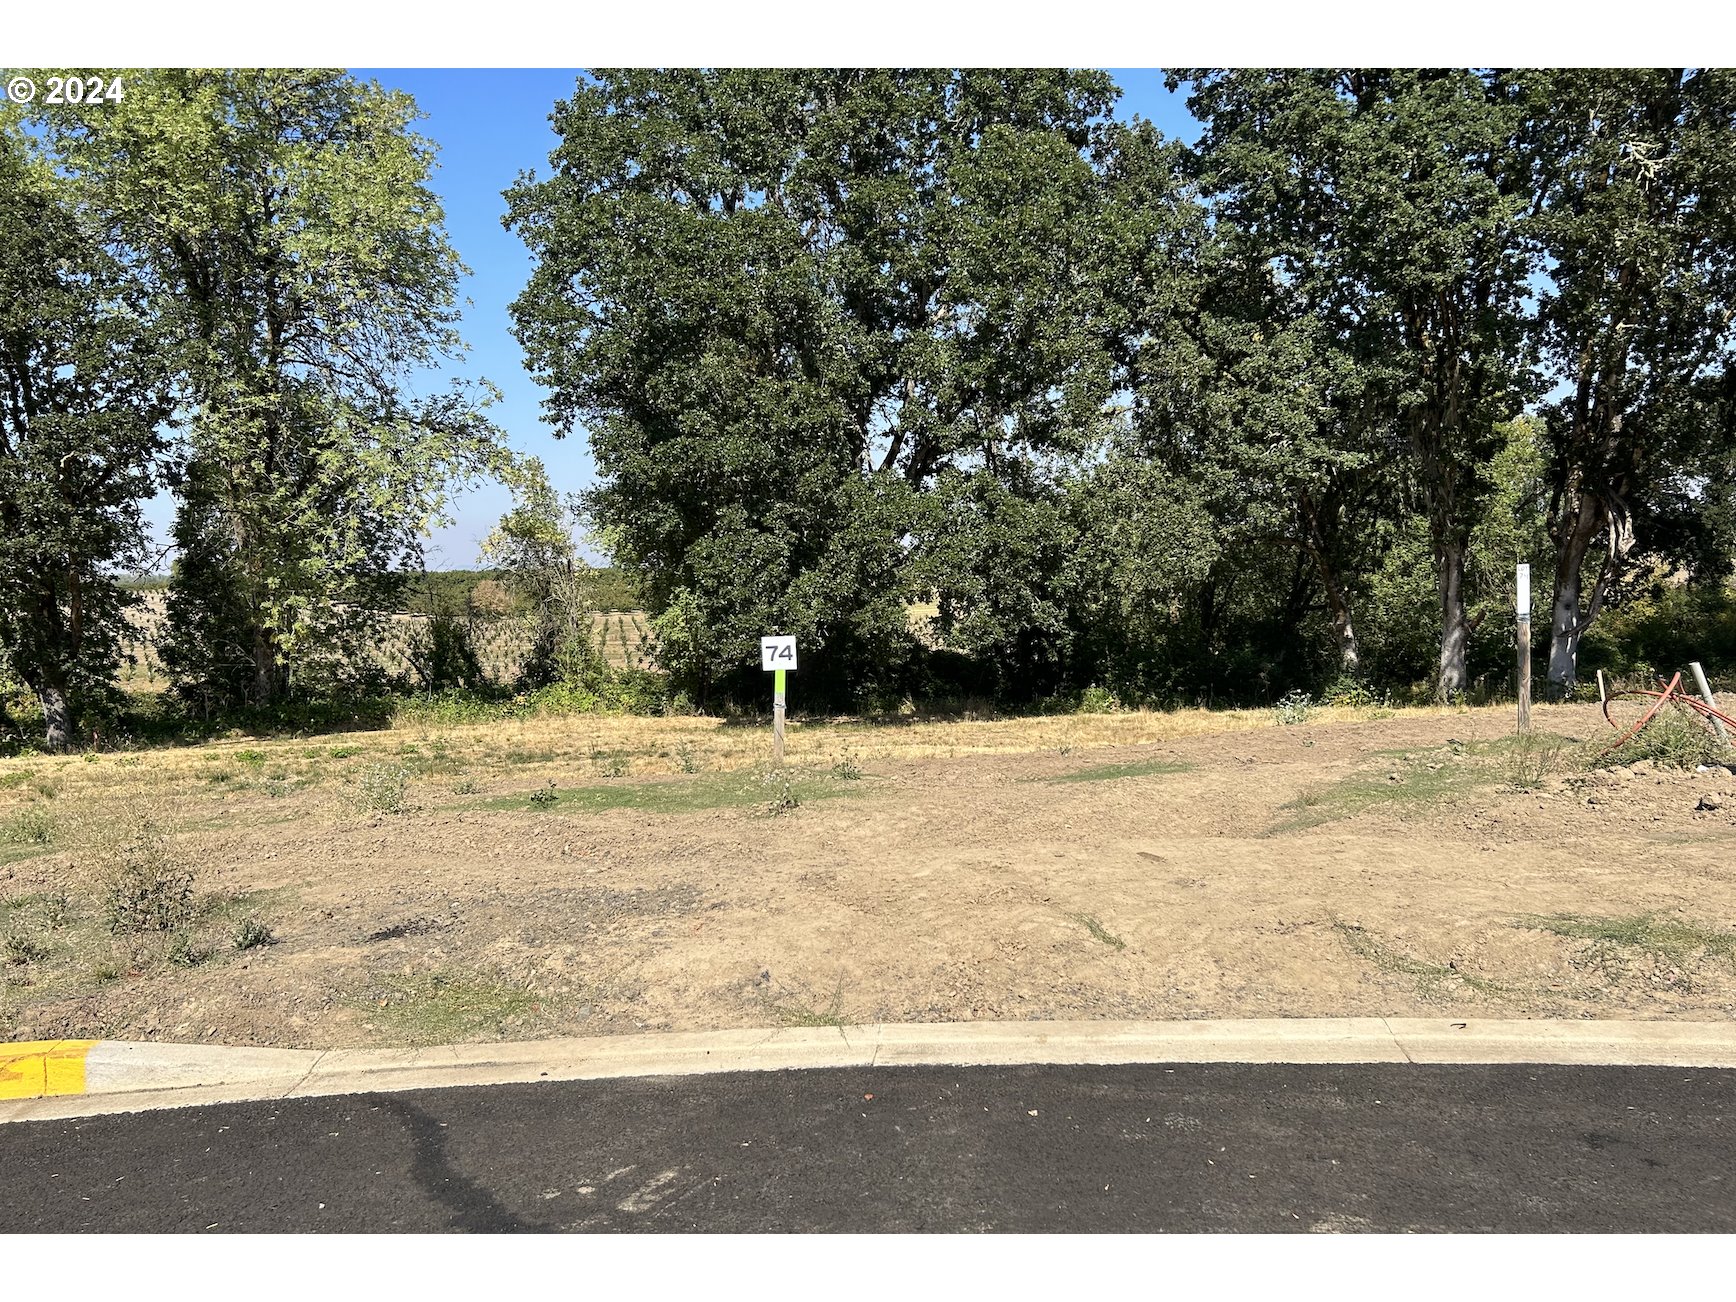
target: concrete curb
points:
(71, 1078)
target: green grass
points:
(790, 1011)
(1098, 930)
(678, 796)
(1112, 772)
(445, 1007)
(1429, 977)
(1425, 779)
(1668, 938)
(1675, 739)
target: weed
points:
(103, 973)
(1098, 930)
(16, 778)
(146, 887)
(129, 762)
(1429, 977)
(253, 759)
(1673, 740)
(782, 793)
(615, 767)
(793, 1012)
(1294, 707)
(686, 757)
(847, 769)
(182, 952)
(19, 950)
(30, 827)
(220, 775)
(1098, 700)
(252, 934)
(545, 797)
(344, 752)
(381, 787)
(1531, 761)
(466, 786)
(442, 1007)
(57, 910)
(1667, 938)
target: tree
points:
(791, 310)
(301, 276)
(1384, 200)
(82, 395)
(533, 549)
(1633, 180)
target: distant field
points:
(623, 637)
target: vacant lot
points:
(589, 875)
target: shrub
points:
(781, 790)
(1346, 690)
(1294, 707)
(1532, 760)
(252, 934)
(1097, 700)
(1674, 740)
(381, 787)
(146, 887)
(184, 953)
(30, 827)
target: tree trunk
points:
(1572, 614)
(266, 678)
(1455, 632)
(1349, 653)
(56, 717)
(1567, 621)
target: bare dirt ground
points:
(1116, 866)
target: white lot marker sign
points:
(1522, 603)
(778, 654)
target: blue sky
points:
(491, 125)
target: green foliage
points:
(1295, 707)
(20, 950)
(833, 292)
(146, 885)
(381, 788)
(83, 388)
(299, 275)
(1674, 939)
(1674, 739)
(251, 933)
(29, 826)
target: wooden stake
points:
(778, 718)
(1525, 673)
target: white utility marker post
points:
(778, 654)
(1709, 699)
(1524, 607)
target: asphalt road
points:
(1140, 1148)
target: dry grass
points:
(592, 746)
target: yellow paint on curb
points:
(35, 1069)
